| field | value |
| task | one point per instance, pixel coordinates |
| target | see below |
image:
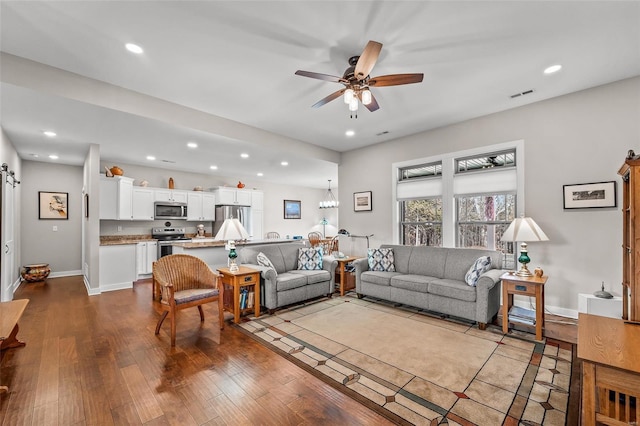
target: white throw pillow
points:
(479, 267)
(263, 260)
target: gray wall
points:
(274, 196)
(40, 244)
(577, 138)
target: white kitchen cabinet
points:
(232, 196)
(142, 203)
(257, 224)
(117, 267)
(146, 254)
(116, 198)
(257, 199)
(201, 206)
(172, 195)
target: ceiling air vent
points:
(382, 133)
(168, 161)
(526, 92)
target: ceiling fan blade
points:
(325, 77)
(395, 79)
(373, 105)
(367, 59)
(328, 99)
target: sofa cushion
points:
(427, 261)
(479, 267)
(379, 278)
(453, 289)
(315, 276)
(289, 280)
(310, 258)
(381, 260)
(263, 260)
(419, 283)
(460, 259)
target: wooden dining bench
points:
(10, 313)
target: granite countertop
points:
(209, 243)
(115, 240)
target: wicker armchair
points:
(185, 281)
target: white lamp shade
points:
(232, 229)
(524, 229)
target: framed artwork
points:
(362, 201)
(589, 195)
(53, 205)
(292, 209)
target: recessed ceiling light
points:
(34, 155)
(284, 163)
(261, 174)
(213, 167)
(349, 133)
(53, 157)
(192, 145)
(49, 133)
(244, 155)
(150, 157)
(134, 48)
(552, 69)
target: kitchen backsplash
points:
(119, 227)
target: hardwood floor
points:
(96, 361)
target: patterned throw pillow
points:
(381, 260)
(479, 267)
(310, 258)
(263, 260)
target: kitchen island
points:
(213, 252)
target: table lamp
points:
(324, 222)
(524, 229)
(230, 231)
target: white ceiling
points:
(236, 60)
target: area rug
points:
(417, 369)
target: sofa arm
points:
(268, 291)
(330, 264)
(488, 295)
(361, 266)
(490, 278)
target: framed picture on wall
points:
(53, 205)
(589, 195)
(292, 209)
(362, 201)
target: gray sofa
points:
(289, 285)
(433, 278)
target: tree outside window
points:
(421, 222)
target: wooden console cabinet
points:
(630, 172)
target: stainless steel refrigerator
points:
(242, 213)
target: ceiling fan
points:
(357, 80)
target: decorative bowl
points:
(34, 273)
(117, 171)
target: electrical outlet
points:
(55, 228)
(119, 228)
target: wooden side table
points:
(526, 286)
(244, 277)
(342, 263)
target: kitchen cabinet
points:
(172, 195)
(142, 203)
(117, 267)
(201, 206)
(257, 199)
(257, 215)
(116, 198)
(146, 254)
(232, 196)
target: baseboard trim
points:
(554, 310)
(65, 273)
(116, 286)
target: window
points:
(486, 161)
(421, 222)
(421, 171)
(481, 221)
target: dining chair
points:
(272, 236)
(186, 281)
(314, 238)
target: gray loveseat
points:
(433, 278)
(287, 284)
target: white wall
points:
(8, 282)
(274, 196)
(91, 224)
(40, 244)
(577, 138)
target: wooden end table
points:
(342, 263)
(244, 277)
(526, 286)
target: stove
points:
(166, 237)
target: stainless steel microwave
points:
(169, 210)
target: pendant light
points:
(329, 201)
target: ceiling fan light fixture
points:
(349, 95)
(366, 97)
(353, 105)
